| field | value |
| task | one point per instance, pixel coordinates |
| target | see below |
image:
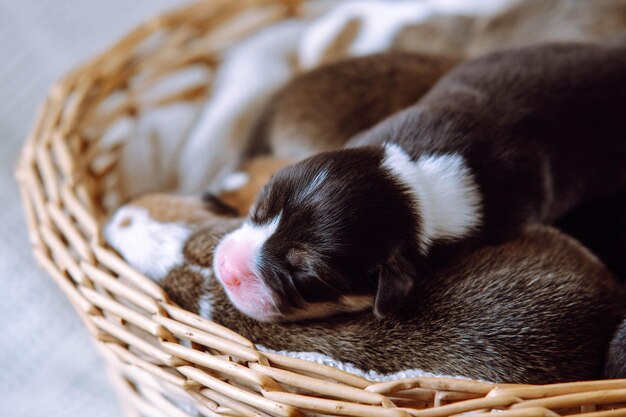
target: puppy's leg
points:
(251, 72)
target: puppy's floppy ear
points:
(396, 279)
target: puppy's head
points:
(335, 232)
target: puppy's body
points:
(539, 309)
(323, 108)
(514, 138)
(539, 128)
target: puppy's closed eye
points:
(312, 275)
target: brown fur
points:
(539, 309)
(199, 247)
(165, 209)
(321, 109)
(185, 287)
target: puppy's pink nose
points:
(234, 264)
(230, 277)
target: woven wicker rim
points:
(160, 356)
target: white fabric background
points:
(48, 365)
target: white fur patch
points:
(205, 306)
(380, 20)
(258, 234)
(445, 193)
(253, 234)
(151, 247)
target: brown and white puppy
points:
(501, 313)
(515, 138)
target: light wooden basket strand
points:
(162, 360)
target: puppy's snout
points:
(235, 266)
(233, 263)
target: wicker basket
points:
(165, 361)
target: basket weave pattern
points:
(165, 361)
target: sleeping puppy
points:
(514, 138)
(502, 313)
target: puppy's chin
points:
(258, 308)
